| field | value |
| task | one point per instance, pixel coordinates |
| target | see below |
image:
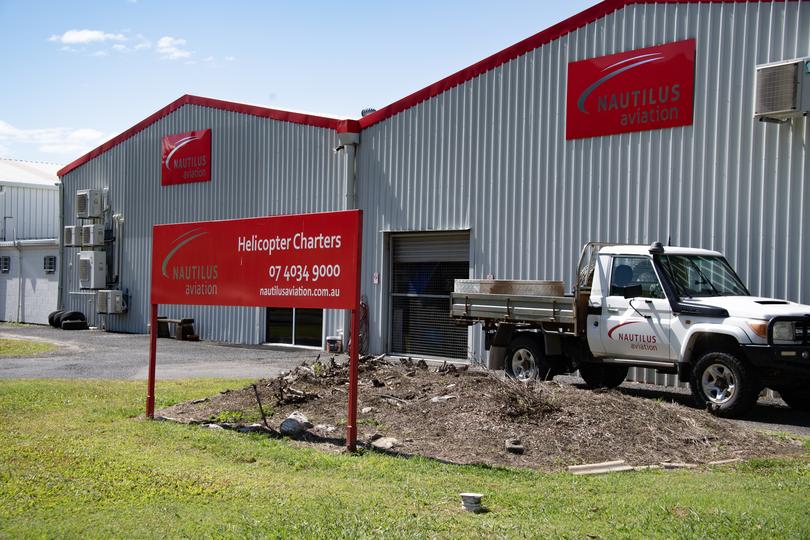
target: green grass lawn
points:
(76, 463)
(24, 347)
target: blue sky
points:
(77, 73)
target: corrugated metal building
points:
(475, 176)
(29, 199)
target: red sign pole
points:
(150, 385)
(354, 353)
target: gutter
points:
(61, 240)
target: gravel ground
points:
(102, 355)
(95, 354)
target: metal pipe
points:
(61, 234)
(150, 384)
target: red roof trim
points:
(340, 126)
(518, 49)
(355, 126)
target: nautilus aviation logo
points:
(182, 263)
(186, 158)
(638, 90)
(637, 338)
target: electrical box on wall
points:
(71, 236)
(101, 301)
(92, 235)
(88, 203)
(92, 269)
(783, 90)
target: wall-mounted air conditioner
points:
(782, 90)
(92, 235)
(110, 301)
(102, 298)
(88, 203)
(71, 236)
(92, 269)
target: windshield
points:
(702, 275)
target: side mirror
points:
(632, 291)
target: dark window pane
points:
(308, 327)
(279, 325)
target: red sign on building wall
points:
(639, 90)
(186, 158)
(303, 261)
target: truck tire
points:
(526, 359)
(722, 383)
(52, 317)
(74, 325)
(68, 316)
(797, 398)
(602, 375)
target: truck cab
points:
(685, 311)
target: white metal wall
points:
(30, 211)
(490, 155)
(260, 167)
(27, 275)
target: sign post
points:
(295, 261)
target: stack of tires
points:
(68, 320)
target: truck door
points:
(636, 315)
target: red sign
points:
(638, 90)
(186, 158)
(302, 261)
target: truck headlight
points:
(784, 331)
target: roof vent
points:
(782, 90)
(367, 111)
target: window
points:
(49, 264)
(702, 275)
(5, 264)
(634, 271)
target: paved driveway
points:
(103, 355)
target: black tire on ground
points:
(603, 375)
(526, 358)
(796, 398)
(724, 384)
(74, 325)
(69, 316)
(52, 317)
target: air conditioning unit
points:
(92, 235)
(102, 298)
(783, 90)
(88, 203)
(110, 301)
(71, 236)
(92, 269)
(115, 302)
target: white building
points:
(29, 245)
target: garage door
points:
(422, 273)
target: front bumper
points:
(780, 365)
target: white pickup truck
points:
(677, 310)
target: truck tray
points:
(512, 307)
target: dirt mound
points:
(465, 415)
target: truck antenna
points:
(669, 240)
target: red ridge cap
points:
(254, 110)
(520, 48)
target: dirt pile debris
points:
(463, 415)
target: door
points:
(423, 269)
(636, 327)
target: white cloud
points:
(209, 59)
(143, 45)
(83, 37)
(170, 48)
(100, 53)
(119, 47)
(229, 58)
(67, 142)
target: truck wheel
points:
(602, 375)
(796, 398)
(52, 317)
(68, 316)
(722, 383)
(526, 359)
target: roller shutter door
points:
(422, 273)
